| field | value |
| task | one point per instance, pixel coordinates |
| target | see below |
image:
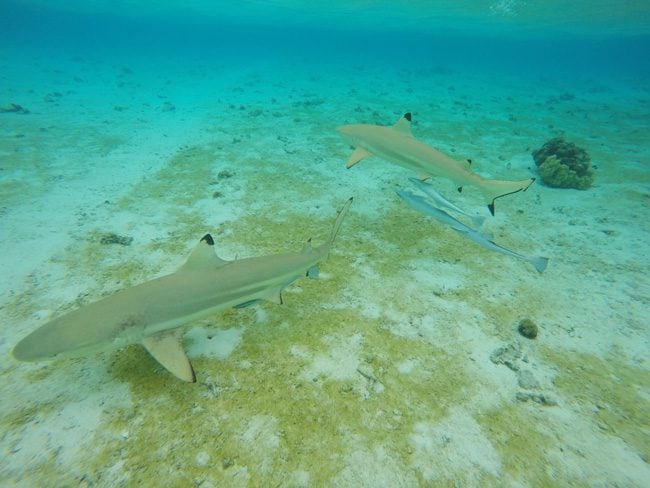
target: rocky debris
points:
(528, 328)
(225, 174)
(111, 238)
(544, 400)
(13, 108)
(168, 107)
(562, 164)
(511, 355)
(526, 380)
(52, 97)
(508, 355)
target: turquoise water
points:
(129, 131)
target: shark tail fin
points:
(493, 189)
(478, 220)
(540, 263)
(338, 222)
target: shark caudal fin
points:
(540, 263)
(335, 228)
(339, 220)
(493, 189)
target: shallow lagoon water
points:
(401, 365)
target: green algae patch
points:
(23, 304)
(256, 414)
(523, 448)
(13, 191)
(186, 225)
(506, 311)
(609, 391)
(106, 264)
(182, 181)
(27, 413)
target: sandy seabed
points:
(401, 364)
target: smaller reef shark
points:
(431, 192)
(397, 145)
(418, 203)
(153, 312)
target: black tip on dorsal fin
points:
(208, 240)
(469, 161)
(532, 180)
(491, 208)
(407, 116)
(460, 189)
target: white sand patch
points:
(262, 438)
(216, 344)
(300, 479)
(592, 455)
(439, 276)
(373, 466)
(202, 458)
(262, 431)
(339, 363)
(454, 449)
(66, 435)
(300, 352)
(407, 366)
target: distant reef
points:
(562, 164)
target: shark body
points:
(418, 203)
(153, 312)
(397, 145)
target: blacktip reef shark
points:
(418, 203)
(397, 145)
(153, 312)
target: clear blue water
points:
(605, 39)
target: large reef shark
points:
(154, 312)
(397, 145)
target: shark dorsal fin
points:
(403, 125)
(307, 247)
(167, 349)
(465, 163)
(203, 255)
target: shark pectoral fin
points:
(358, 154)
(247, 304)
(167, 349)
(403, 125)
(312, 272)
(423, 176)
(203, 256)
